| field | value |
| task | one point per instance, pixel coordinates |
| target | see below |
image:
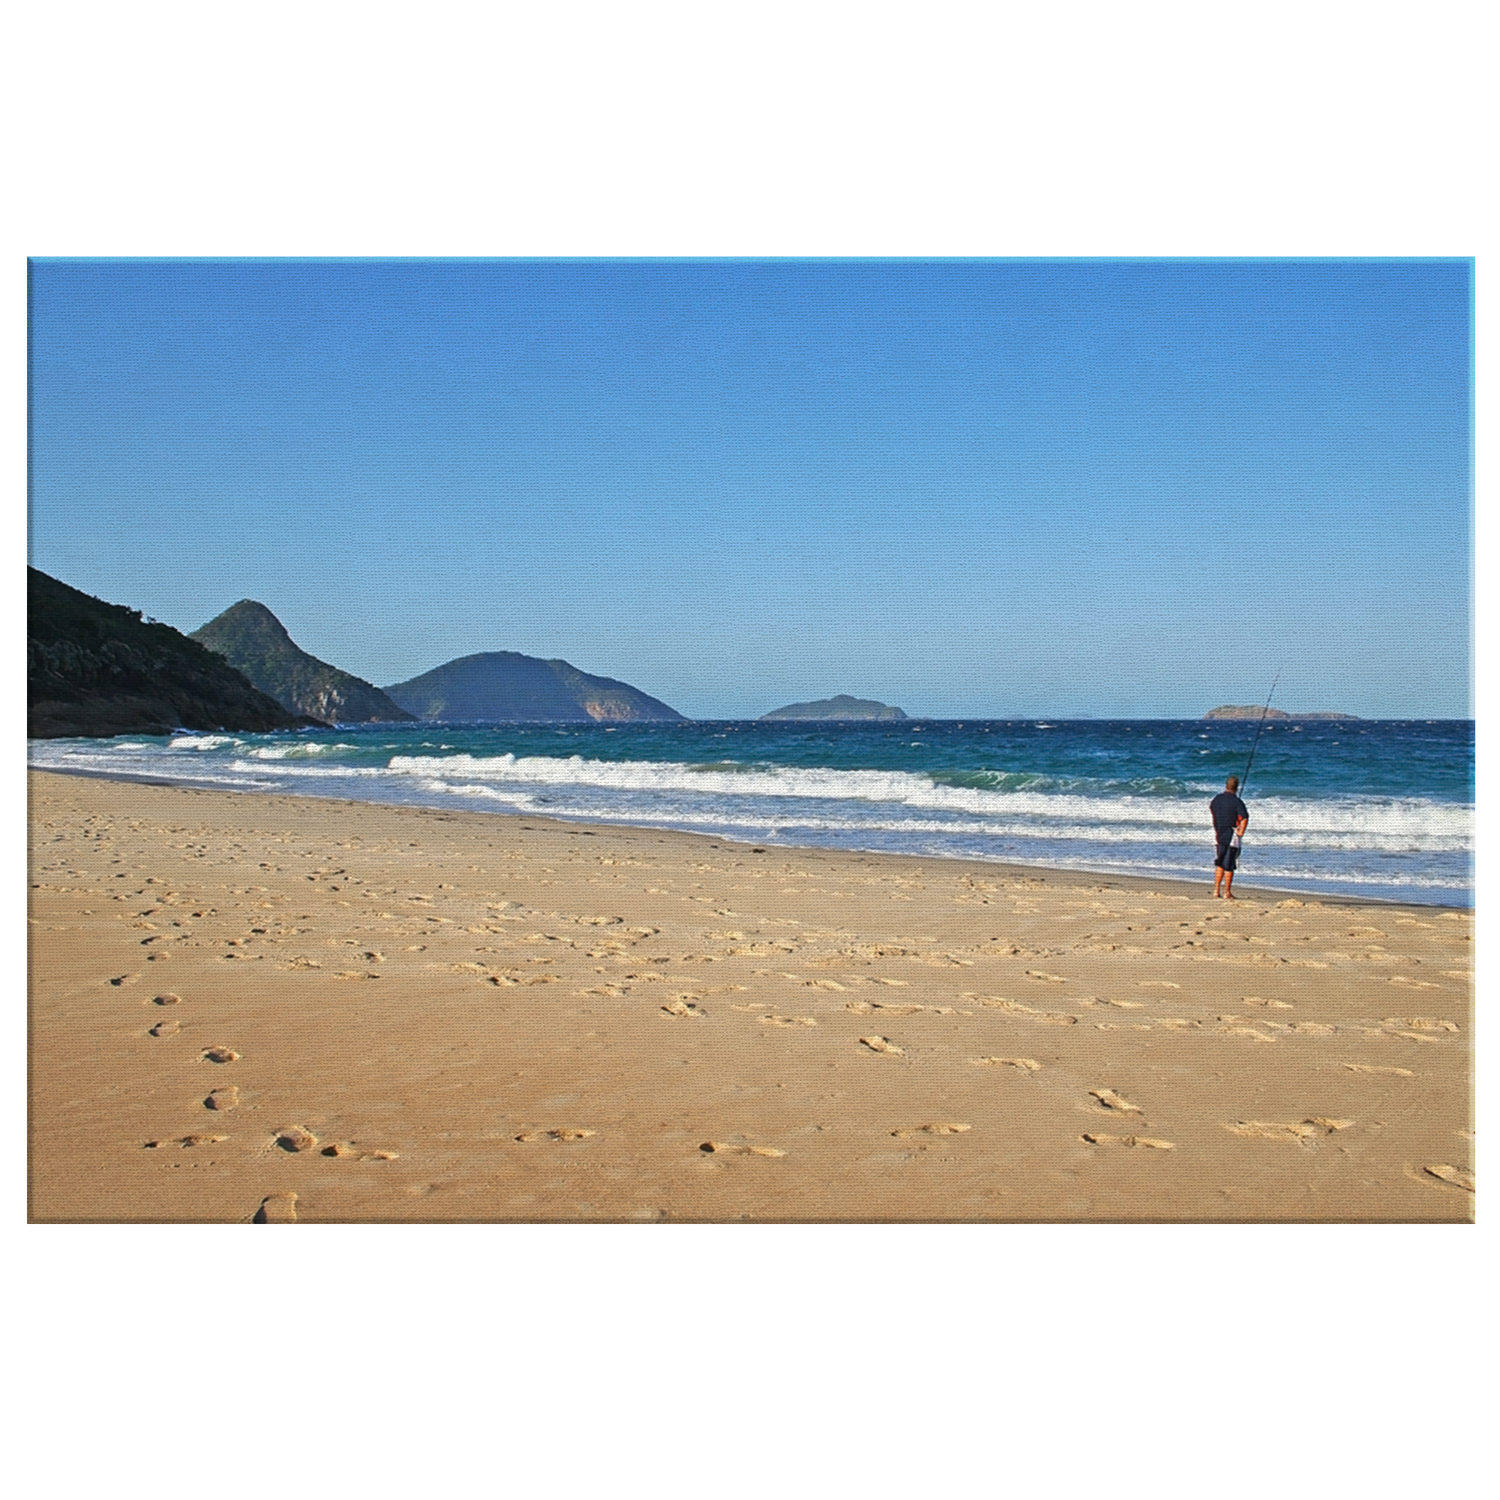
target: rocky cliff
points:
(507, 687)
(99, 669)
(840, 707)
(253, 641)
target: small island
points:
(841, 707)
(1256, 710)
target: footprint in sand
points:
(883, 1044)
(1454, 1175)
(1128, 1140)
(787, 1021)
(1024, 1012)
(683, 1008)
(167, 999)
(1422, 1023)
(562, 1133)
(1376, 1068)
(120, 980)
(223, 1099)
(347, 1152)
(731, 1148)
(165, 1028)
(1245, 1031)
(1122, 1004)
(1044, 975)
(219, 1054)
(1161, 984)
(1413, 984)
(277, 1208)
(1111, 1100)
(1263, 1130)
(188, 1140)
(1270, 1004)
(902, 983)
(1025, 1064)
(948, 1129)
(295, 1138)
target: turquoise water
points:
(1374, 808)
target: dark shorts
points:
(1228, 856)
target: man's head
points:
(1233, 784)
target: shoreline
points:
(1176, 883)
(251, 1007)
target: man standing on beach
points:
(1231, 817)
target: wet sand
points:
(265, 1008)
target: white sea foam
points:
(754, 813)
(1068, 815)
(298, 750)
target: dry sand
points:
(267, 1008)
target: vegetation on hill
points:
(253, 641)
(99, 669)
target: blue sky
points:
(971, 488)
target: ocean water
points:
(1373, 808)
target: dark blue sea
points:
(1374, 808)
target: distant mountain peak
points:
(252, 640)
(509, 687)
(841, 706)
(252, 614)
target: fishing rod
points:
(1256, 741)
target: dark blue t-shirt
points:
(1227, 810)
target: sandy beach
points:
(269, 1008)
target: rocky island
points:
(99, 669)
(1255, 710)
(842, 707)
(505, 687)
(253, 641)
